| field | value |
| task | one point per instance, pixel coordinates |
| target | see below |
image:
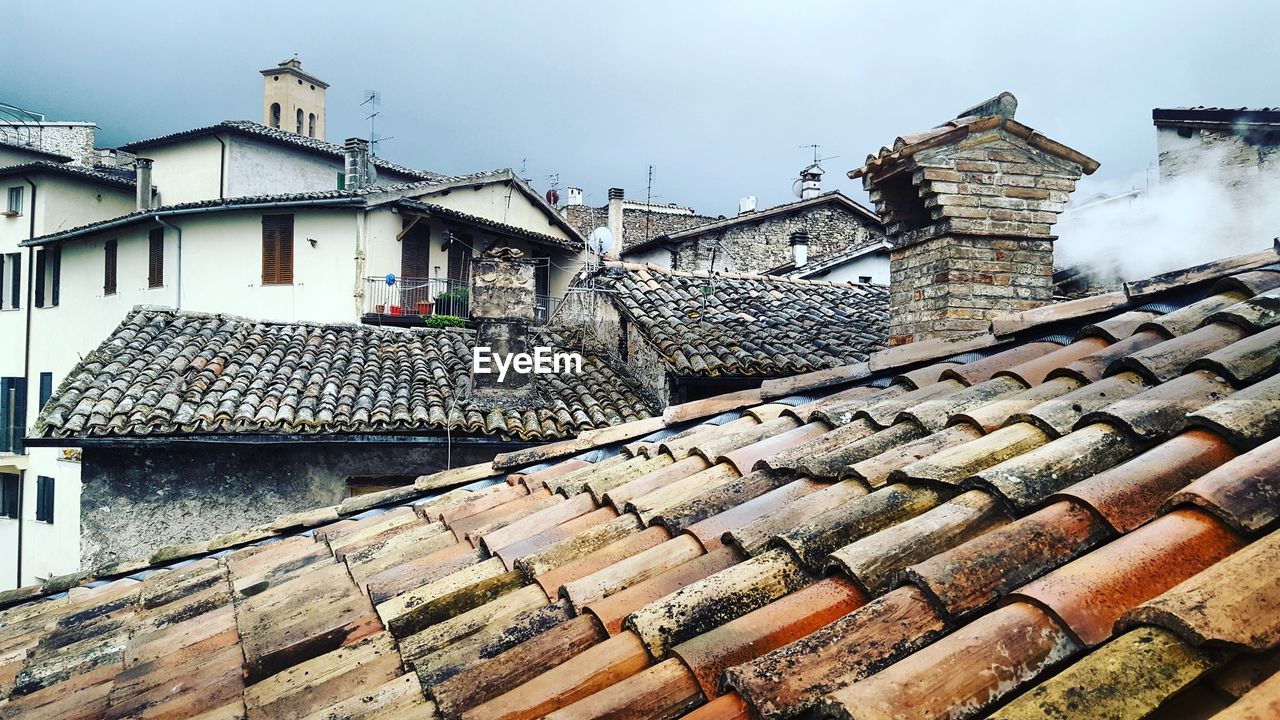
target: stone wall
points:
(136, 500)
(638, 225)
(764, 245)
(75, 140)
(641, 362)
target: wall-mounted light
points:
(312, 241)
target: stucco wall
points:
(257, 168)
(136, 501)
(186, 171)
(502, 203)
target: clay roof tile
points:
(1244, 492)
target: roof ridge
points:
(650, 267)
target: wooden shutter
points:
(460, 257)
(277, 249)
(155, 258)
(44, 499)
(109, 268)
(46, 388)
(14, 266)
(10, 495)
(40, 263)
(55, 263)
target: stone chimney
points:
(359, 169)
(615, 221)
(142, 180)
(502, 299)
(811, 182)
(800, 248)
(969, 209)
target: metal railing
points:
(421, 297)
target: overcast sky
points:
(716, 96)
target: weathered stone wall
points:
(642, 362)
(761, 246)
(73, 140)
(638, 225)
(136, 500)
(1235, 160)
(972, 226)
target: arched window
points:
(299, 130)
(311, 125)
(275, 115)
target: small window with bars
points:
(155, 258)
(44, 499)
(277, 249)
(109, 267)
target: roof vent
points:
(747, 205)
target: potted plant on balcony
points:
(380, 309)
(424, 307)
(396, 310)
(453, 302)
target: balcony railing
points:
(409, 301)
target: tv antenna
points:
(373, 99)
(816, 147)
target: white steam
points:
(1226, 203)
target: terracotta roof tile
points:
(1233, 603)
(793, 457)
(613, 610)
(933, 415)
(545, 539)
(1247, 418)
(1090, 593)
(1092, 368)
(1128, 678)
(830, 464)
(953, 464)
(1131, 493)
(607, 491)
(1258, 313)
(719, 500)
(650, 505)
(490, 642)
(1188, 318)
(957, 676)
(1029, 479)
(1162, 410)
(601, 558)
(791, 679)
(753, 537)
(710, 530)
(1258, 704)
(1244, 493)
(994, 415)
(977, 573)
(876, 471)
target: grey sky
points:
(715, 95)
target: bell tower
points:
(292, 100)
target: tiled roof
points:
(355, 196)
(732, 324)
(72, 171)
(476, 220)
(822, 265)
(262, 132)
(1080, 524)
(167, 373)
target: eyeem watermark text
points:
(542, 361)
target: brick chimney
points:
(359, 168)
(615, 222)
(969, 208)
(502, 299)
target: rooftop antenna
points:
(373, 99)
(648, 201)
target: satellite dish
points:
(600, 240)
(373, 172)
(553, 197)
(796, 189)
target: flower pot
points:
(396, 310)
(424, 308)
(380, 309)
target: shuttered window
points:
(109, 268)
(13, 414)
(48, 276)
(460, 257)
(9, 495)
(277, 249)
(10, 281)
(44, 499)
(155, 258)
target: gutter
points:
(222, 167)
(139, 217)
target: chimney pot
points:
(572, 196)
(747, 205)
(142, 170)
(800, 248)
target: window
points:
(624, 329)
(10, 281)
(275, 114)
(13, 413)
(48, 275)
(46, 388)
(109, 268)
(299, 130)
(155, 258)
(277, 249)
(864, 279)
(44, 499)
(9, 495)
(342, 180)
(459, 257)
(15, 200)
(311, 125)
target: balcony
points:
(410, 302)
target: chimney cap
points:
(800, 238)
(616, 193)
(1004, 105)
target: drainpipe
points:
(26, 359)
(222, 168)
(178, 230)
